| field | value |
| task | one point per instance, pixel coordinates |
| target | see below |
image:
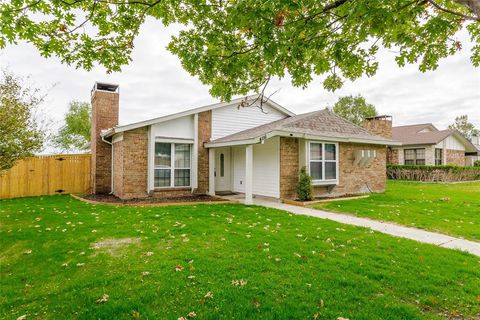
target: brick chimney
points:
(104, 116)
(379, 125)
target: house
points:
(257, 149)
(473, 156)
(424, 144)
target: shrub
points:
(305, 187)
(446, 173)
(476, 163)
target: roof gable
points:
(250, 99)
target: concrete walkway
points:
(419, 235)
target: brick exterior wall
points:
(360, 179)
(455, 157)
(289, 153)
(204, 135)
(131, 164)
(118, 168)
(393, 156)
(381, 127)
(354, 179)
(104, 116)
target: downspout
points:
(111, 165)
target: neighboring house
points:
(224, 148)
(471, 157)
(424, 144)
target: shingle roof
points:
(323, 123)
(412, 135)
(432, 137)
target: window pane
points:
(162, 178)
(409, 161)
(182, 177)
(329, 152)
(420, 162)
(316, 170)
(330, 169)
(409, 154)
(222, 165)
(315, 151)
(420, 153)
(182, 156)
(163, 155)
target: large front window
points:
(172, 165)
(322, 161)
(415, 156)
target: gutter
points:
(111, 165)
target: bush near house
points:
(446, 173)
(476, 163)
(304, 187)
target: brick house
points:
(424, 144)
(223, 148)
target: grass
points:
(223, 261)
(448, 208)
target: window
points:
(172, 171)
(222, 165)
(415, 156)
(322, 161)
(438, 156)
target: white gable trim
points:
(140, 124)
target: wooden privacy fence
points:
(46, 175)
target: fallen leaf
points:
(209, 295)
(191, 314)
(23, 317)
(102, 299)
(178, 268)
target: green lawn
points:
(452, 209)
(218, 261)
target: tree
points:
(21, 133)
(354, 109)
(464, 126)
(237, 46)
(75, 134)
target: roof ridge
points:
(413, 125)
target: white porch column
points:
(249, 174)
(211, 171)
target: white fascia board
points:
(140, 124)
(232, 143)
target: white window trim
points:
(172, 164)
(323, 181)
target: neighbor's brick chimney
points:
(379, 125)
(104, 116)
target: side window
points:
(222, 165)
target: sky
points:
(154, 84)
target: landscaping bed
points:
(66, 259)
(298, 202)
(181, 199)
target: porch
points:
(245, 170)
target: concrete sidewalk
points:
(419, 235)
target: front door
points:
(222, 169)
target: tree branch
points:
(436, 5)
